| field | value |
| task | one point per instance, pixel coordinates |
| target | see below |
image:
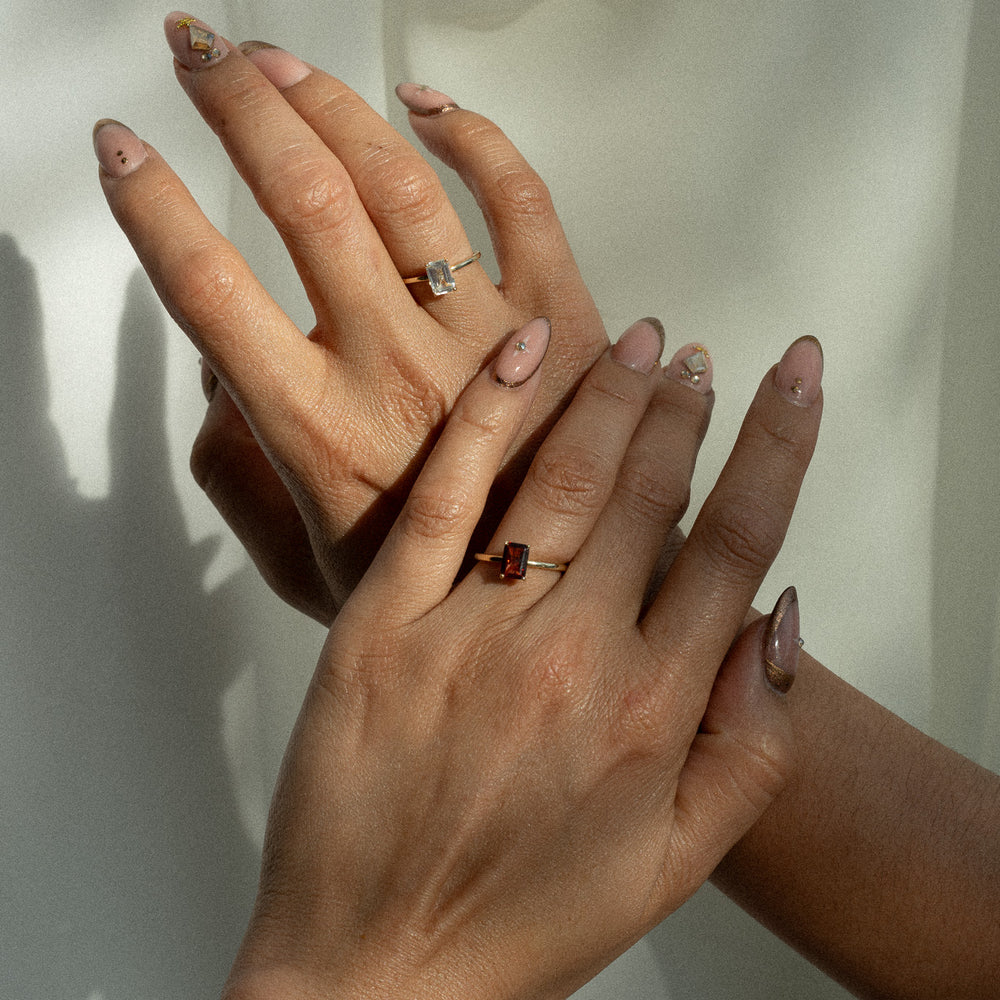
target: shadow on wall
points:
(125, 868)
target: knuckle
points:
(522, 192)
(406, 188)
(435, 513)
(571, 481)
(646, 496)
(742, 536)
(309, 198)
(644, 719)
(205, 290)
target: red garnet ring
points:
(514, 561)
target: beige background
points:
(748, 172)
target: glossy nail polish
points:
(193, 43)
(423, 100)
(692, 365)
(780, 648)
(800, 372)
(520, 357)
(280, 67)
(119, 150)
(640, 346)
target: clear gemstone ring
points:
(441, 274)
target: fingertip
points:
(118, 149)
(522, 354)
(424, 101)
(281, 68)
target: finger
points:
(652, 489)
(255, 349)
(300, 184)
(228, 464)
(528, 238)
(400, 192)
(742, 524)
(743, 753)
(428, 542)
(574, 472)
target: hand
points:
(346, 415)
(495, 787)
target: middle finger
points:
(303, 187)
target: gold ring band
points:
(440, 274)
(514, 561)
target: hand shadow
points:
(126, 869)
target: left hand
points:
(346, 414)
(496, 787)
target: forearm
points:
(881, 860)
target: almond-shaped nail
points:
(781, 642)
(520, 357)
(119, 150)
(193, 43)
(800, 372)
(692, 365)
(423, 100)
(640, 346)
(280, 67)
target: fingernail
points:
(781, 642)
(423, 100)
(119, 150)
(640, 346)
(692, 365)
(280, 67)
(520, 357)
(193, 42)
(800, 372)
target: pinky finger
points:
(422, 554)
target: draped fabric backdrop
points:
(748, 172)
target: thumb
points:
(743, 753)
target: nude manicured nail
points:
(640, 346)
(692, 365)
(800, 372)
(193, 43)
(423, 100)
(781, 642)
(520, 357)
(280, 67)
(119, 150)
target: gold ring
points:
(514, 561)
(440, 274)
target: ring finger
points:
(574, 472)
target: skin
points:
(363, 204)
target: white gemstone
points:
(697, 363)
(201, 40)
(440, 276)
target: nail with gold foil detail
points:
(193, 43)
(692, 366)
(781, 643)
